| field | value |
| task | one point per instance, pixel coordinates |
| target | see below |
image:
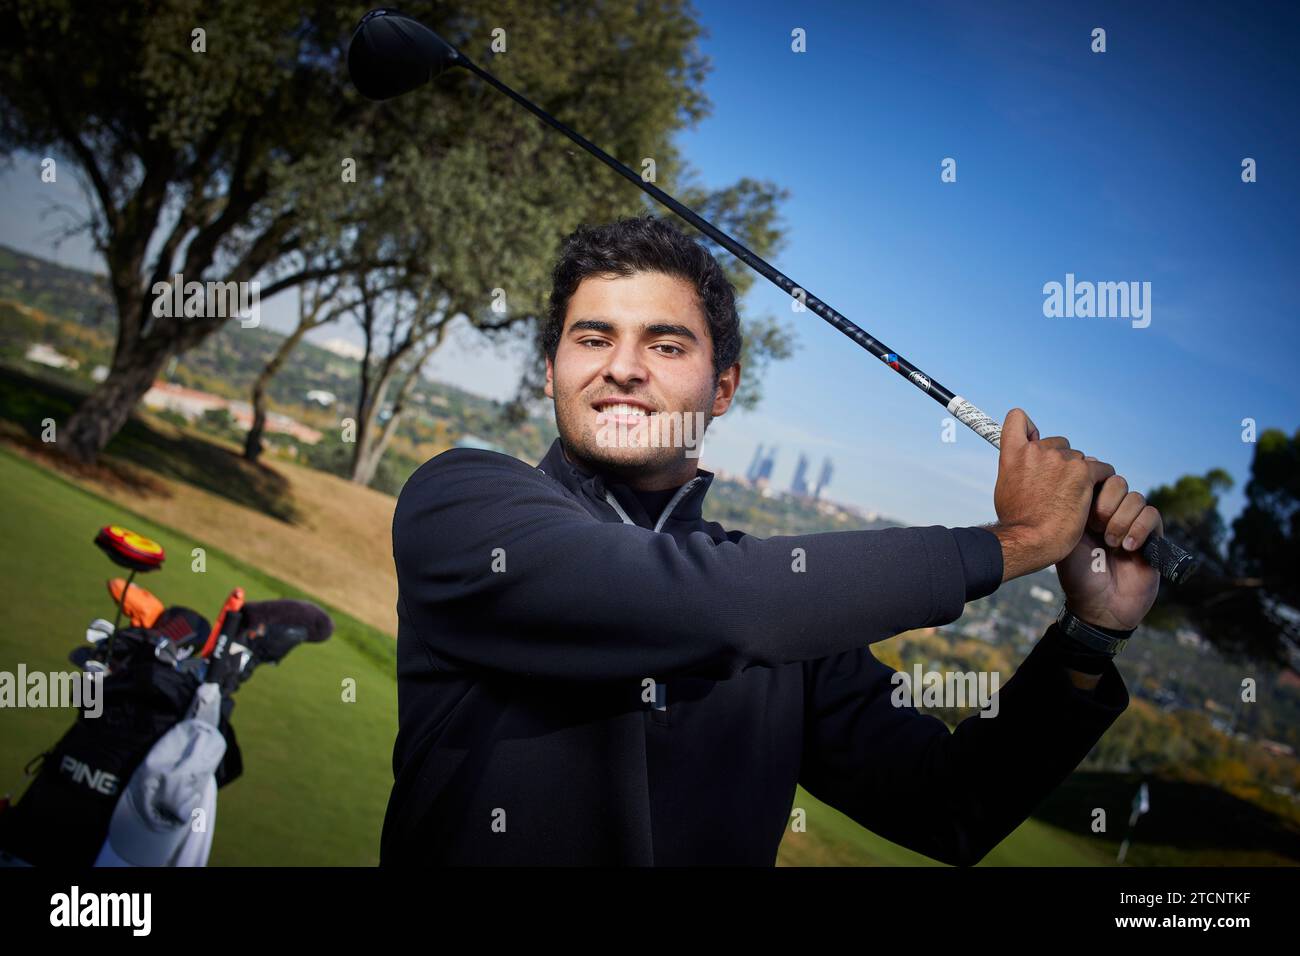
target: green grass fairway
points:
(832, 839)
(317, 771)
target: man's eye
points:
(592, 342)
(676, 349)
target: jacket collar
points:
(595, 487)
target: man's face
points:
(635, 349)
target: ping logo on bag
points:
(99, 780)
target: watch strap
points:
(1103, 640)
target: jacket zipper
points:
(661, 689)
(668, 508)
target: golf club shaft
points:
(1173, 563)
(117, 618)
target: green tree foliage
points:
(1266, 535)
(1246, 597)
(227, 164)
(1190, 509)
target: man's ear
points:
(550, 378)
(728, 382)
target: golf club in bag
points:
(135, 783)
(391, 54)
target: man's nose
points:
(625, 363)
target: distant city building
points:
(276, 424)
(799, 486)
(192, 403)
(1277, 748)
(823, 480)
(189, 402)
(763, 480)
(42, 354)
(321, 397)
(751, 475)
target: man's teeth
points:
(622, 409)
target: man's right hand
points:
(1043, 496)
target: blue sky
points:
(1115, 166)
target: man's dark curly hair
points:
(645, 244)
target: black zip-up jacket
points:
(582, 683)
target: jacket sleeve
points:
(951, 795)
(501, 569)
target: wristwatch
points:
(1101, 639)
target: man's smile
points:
(622, 410)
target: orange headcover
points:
(140, 606)
(234, 604)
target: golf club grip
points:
(1174, 563)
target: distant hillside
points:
(72, 294)
(228, 362)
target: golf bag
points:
(63, 817)
(121, 788)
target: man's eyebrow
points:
(592, 325)
(665, 328)
(651, 328)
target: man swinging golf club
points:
(589, 672)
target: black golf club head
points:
(391, 54)
(271, 629)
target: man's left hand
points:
(1121, 593)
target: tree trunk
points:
(369, 457)
(253, 442)
(108, 407)
(371, 452)
(367, 421)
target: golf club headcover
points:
(225, 625)
(183, 626)
(271, 629)
(140, 605)
(391, 54)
